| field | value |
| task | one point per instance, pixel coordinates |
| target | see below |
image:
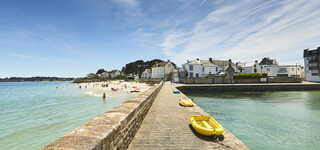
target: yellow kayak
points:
(208, 126)
(185, 102)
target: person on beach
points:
(104, 96)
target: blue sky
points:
(76, 37)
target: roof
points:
(113, 71)
(147, 70)
(246, 64)
(290, 66)
(161, 64)
(221, 63)
(268, 61)
(314, 52)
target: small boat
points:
(208, 126)
(185, 102)
(176, 92)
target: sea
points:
(33, 114)
(268, 120)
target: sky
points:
(71, 38)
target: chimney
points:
(211, 60)
(198, 59)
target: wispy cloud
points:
(131, 7)
(203, 2)
(247, 30)
(19, 56)
(128, 3)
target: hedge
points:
(250, 76)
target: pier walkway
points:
(166, 127)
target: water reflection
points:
(313, 100)
(268, 120)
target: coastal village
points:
(160, 75)
(162, 116)
(213, 71)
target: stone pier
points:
(151, 121)
(166, 127)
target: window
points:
(202, 69)
(315, 74)
(282, 70)
(255, 70)
(216, 69)
(313, 68)
(197, 75)
(191, 75)
(282, 75)
(191, 67)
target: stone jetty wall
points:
(205, 88)
(114, 129)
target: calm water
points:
(33, 114)
(268, 120)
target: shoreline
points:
(112, 129)
(109, 89)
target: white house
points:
(114, 73)
(161, 69)
(105, 74)
(272, 68)
(202, 68)
(146, 74)
(312, 63)
(110, 74)
(290, 71)
(136, 77)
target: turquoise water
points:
(32, 114)
(268, 120)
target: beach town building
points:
(176, 75)
(105, 74)
(162, 69)
(290, 71)
(202, 68)
(272, 68)
(247, 67)
(110, 74)
(312, 64)
(136, 77)
(146, 74)
(91, 75)
(114, 74)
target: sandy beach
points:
(113, 88)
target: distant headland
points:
(34, 79)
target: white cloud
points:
(248, 30)
(128, 3)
